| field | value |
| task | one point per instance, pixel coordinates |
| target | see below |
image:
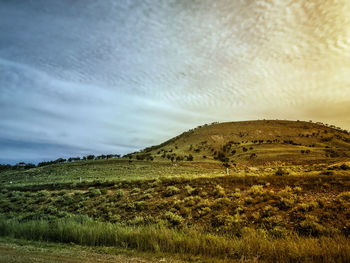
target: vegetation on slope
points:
(288, 186)
(255, 143)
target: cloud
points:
(116, 76)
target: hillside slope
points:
(255, 143)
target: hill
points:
(177, 199)
(262, 142)
(202, 152)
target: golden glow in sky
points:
(81, 77)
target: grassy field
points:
(113, 170)
(193, 210)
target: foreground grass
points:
(20, 250)
(161, 239)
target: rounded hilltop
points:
(257, 142)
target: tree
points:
(190, 158)
(90, 157)
(29, 166)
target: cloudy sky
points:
(106, 76)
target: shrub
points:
(281, 172)
(272, 221)
(190, 190)
(103, 191)
(344, 167)
(228, 224)
(297, 190)
(43, 193)
(78, 193)
(129, 206)
(171, 190)
(65, 199)
(268, 211)
(114, 218)
(42, 199)
(256, 216)
(51, 210)
(237, 195)
(306, 207)
(256, 190)
(310, 226)
(219, 191)
(119, 193)
(345, 196)
(286, 203)
(15, 196)
(203, 203)
(203, 194)
(174, 219)
(140, 205)
(62, 192)
(248, 200)
(279, 232)
(94, 192)
(137, 221)
(327, 173)
(191, 200)
(136, 190)
(204, 211)
(286, 198)
(146, 196)
(221, 202)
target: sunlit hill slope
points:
(255, 143)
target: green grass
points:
(102, 171)
(157, 238)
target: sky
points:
(82, 77)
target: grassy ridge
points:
(239, 145)
(256, 143)
(156, 238)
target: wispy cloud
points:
(115, 76)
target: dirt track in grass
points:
(18, 254)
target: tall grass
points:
(158, 238)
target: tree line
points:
(26, 166)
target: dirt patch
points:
(18, 254)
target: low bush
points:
(231, 225)
(140, 205)
(190, 190)
(171, 190)
(310, 226)
(173, 218)
(94, 192)
(219, 191)
(119, 193)
(281, 172)
(220, 203)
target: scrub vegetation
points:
(207, 208)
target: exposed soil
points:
(10, 253)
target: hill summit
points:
(261, 142)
